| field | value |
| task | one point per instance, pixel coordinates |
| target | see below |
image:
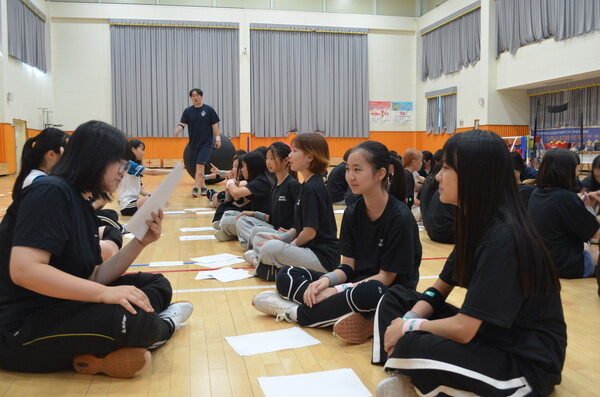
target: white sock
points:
(292, 314)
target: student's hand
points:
(326, 293)
(283, 230)
(393, 333)
(269, 236)
(127, 296)
(154, 229)
(314, 288)
(217, 143)
(177, 131)
(245, 213)
(595, 196)
(214, 169)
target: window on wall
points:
(441, 111)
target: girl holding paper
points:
(380, 247)
(61, 306)
(131, 187)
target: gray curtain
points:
(26, 33)
(522, 22)
(308, 79)
(433, 112)
(155, 66)
(584, 100)
(450, 47)
(449, 114)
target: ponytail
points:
(397, 184)
(34, 151)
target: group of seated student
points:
(438, 217)
(61, 305)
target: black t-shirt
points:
(200, 121)
(565, 224)
(389, 243)
(410, 188)
(336, 183)
(528, 173)
(283, 199)
(260, 187)
(52, 216)
(438, 217)
(526, 191)
(313, 209)
(532, 330)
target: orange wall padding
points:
(172, 148)
(31, 133)
(7, 147)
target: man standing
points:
(201, 120)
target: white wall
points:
(81, 58)
(31, 88)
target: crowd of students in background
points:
(516, 230)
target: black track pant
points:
(438, 365)
(293, 281)
(50, 338)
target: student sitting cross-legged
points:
(380, 247)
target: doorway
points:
(20, 139)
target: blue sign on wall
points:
(571, 135)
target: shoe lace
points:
(281, 317)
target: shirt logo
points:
(380, 242)
(203, 113)
(281, 198)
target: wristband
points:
(343, 287)
(260, 216)
(413, 325)
(218, 138)
(229, 182)
(347, 269)
(409, 315)
(181, 125)
(434, 298)
(221, 173)
(286, 237)
(334, 279)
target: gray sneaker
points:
(396, 386)
(203, 190)
(177, 313)
(195, 191)
(271, 303)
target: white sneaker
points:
(177, 313)
(251, 257)
(396, 386)
(216, 225)
(271, 303)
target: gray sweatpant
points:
(279, 254)
(247, 228)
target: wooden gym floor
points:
(197, 361)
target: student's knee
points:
(367, 295)
(108, 249)
(283, 280)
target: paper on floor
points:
(339, 382)
(214, 258)
(137, 224)
(272, 341)
(197, 237)
(197, 209)
(197, 229)
(224, 275)
(173, 212)
(172, 263)
(217, 264)
(338, 211)
(204, 212)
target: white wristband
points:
(229, 182)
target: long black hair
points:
(34, 151)
(134, 144)
(378, 155)
(487, 188)
(91, 149)
(255, 164)
(281, 151)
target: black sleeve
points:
(259, 187)
(494, 294)
(398, 255)
(313, 209)
(185, 117)
(579, 220)
(347, 242)
(587, 183)
(214, 118)
(44, 219)
(447, 274)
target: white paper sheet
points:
(196, 237)
(196, 209)
(228, 274)
(218, 264)
(339, 382)
(338, 211)
(214, 258)
(161, 264)
(272, 341)
(173, 212)
(204, 212)
(137, 224)
(224, 275)
(197, 229)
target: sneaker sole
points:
(123, 363)
(354, 328)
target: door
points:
(20, 139)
